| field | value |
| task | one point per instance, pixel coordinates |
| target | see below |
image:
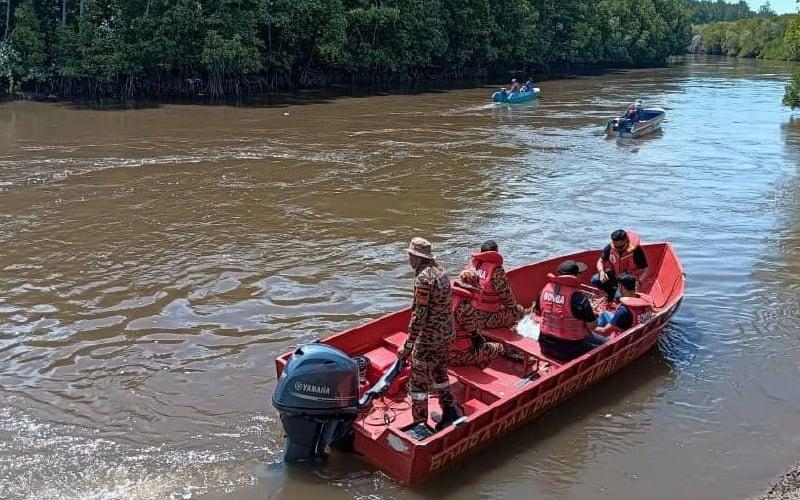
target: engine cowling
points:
(317, 397)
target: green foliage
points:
(156, 47)
(707, 11)
(228, 57)
(9, 59)
(792, 96)
(792, 40)
(767, 37)
(27, 41)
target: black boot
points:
(450, 414)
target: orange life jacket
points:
(622, 262)
(556, 304)
(641, 308)
(484, 263)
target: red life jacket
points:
(484, 263)
(622, 263)
(462, 340)
(556, 304)
(641, 308)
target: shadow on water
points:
(330, 93)
(634, 144)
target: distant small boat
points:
(512, 98)
(649, 120)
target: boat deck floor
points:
(473, 388)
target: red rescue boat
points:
(505, 395)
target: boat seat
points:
(473, 406)
(380, 360)
(524, 344)
(396, 339)
(489, 379)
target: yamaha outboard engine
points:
(317, 397)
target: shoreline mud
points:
(786, 487)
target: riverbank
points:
(787, 487)
(182, 47)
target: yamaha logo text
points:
(322, 390)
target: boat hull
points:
(516, 97)
(498, 399)
(640, 128)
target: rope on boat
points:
(384, 411)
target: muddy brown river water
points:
(153, 263)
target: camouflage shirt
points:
(503, 288)
(431, 313)
(468, 319)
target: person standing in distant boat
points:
(632, 115)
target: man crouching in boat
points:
(470, 348)
(634, 308)
(495, 296)
(568, 318)
(430, 333)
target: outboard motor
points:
(317, 398)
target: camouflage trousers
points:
(504, 318)
(480, 357)
(428, 375)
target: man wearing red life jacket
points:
(470, 348)
(634, 308)
(567, 315)
(496, 297)
(623, 255)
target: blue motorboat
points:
(648, 120)
(515, 97)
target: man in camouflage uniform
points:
(430, 332)
(470, 347)
(508, 311)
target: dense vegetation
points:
(767, 37)
(708, 11)
(792, 40)
(129, 48)
(792, 96)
